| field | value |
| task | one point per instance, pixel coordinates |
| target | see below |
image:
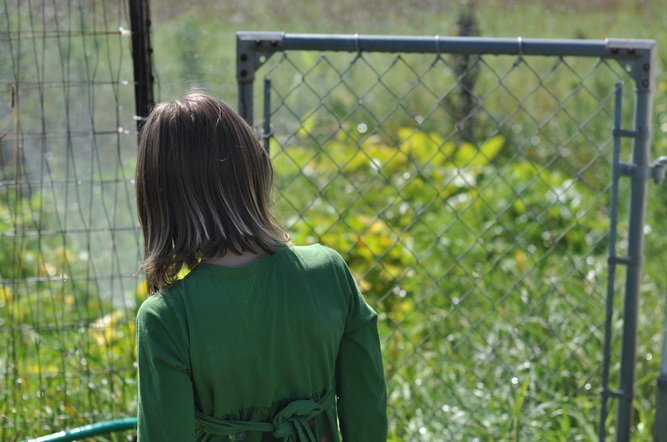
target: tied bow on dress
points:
(289, 425)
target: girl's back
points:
(283, 348)
(242, 344)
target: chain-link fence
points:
(468, 182)
(69, 245)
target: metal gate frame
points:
(637, 56)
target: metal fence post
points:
(142, 60)
(611, 270)
(643, 70)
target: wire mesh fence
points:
(470, 194)
(68, 241)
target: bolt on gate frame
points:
(637, 58)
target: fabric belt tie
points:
(289, 425)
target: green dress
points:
(282, 349)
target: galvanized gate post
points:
(643, 72)
(612, 262)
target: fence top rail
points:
(280, 41)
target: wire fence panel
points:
(469, 190)
(68, 238)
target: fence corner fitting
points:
(253, 49)
(639, 58)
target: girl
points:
(262, 340)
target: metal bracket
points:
(659, 169)
(638, 57)
(253, 49)
(626, 169)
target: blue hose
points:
(128, 423)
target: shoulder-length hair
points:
(203, 185)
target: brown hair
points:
(203, 186)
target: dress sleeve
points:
(165, 409)
(360, 383)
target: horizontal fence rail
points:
(446, 45)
